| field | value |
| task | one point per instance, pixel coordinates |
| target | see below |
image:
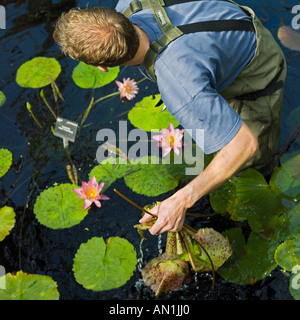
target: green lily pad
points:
(38, 72)
(250, 261)
(288, 185)
(108, 171)
(294, 286)
(2, 98)
(287, 254)
(262, 202)
(146, 116)
(290, 164)
(224, 199)
(58, 207)
(89, 77)
(102, 266)
(7, 221)
(23, 286)
(151, 179)
(5, 161)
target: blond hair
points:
(97, 36)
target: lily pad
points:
(5, 161)
(224, 199)
(162, 274)
(108, 171)
(7, 221)
(89, 77)
(58, 207)
(146, 116)
(250, 261)
(151, 179)
(295, 284)
(287, 184)
(102, 266)
(38, 72)
(262, 202)
(290, 164)
(2, 98)
(285, 255)
(216, 245)
(23, 286)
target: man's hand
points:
(170, 212)
(228, 161)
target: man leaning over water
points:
(222, 72)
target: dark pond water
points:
(40, 161)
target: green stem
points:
(171, 245)
(188, 250)
(42, 94)
(28, 106)
(108, 96)
(191, 231)
(87, 112)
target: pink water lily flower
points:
(90, 192)
(128, 88)
(169, 139)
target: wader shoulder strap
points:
(170, 33)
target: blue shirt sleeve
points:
(210, 112)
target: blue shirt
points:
(195, 67)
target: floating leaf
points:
(287, 254)
(89, 77)
(290, 163)
(108, 171)
(102, 266)
(7, 221)
(250, 261)
(216, 245)
(287, 184)
(2, 98)
(23, 286)
(162, 274)
(295, 284)
(38, 72)
(151, 179)
(224, 199)
(262, 202)
(146, 116)
(5, 161)
(59, 207)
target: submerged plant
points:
(90, 192)
(170, 139)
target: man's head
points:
(97, 36)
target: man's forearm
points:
(224, 165)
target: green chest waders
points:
(256, 94)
